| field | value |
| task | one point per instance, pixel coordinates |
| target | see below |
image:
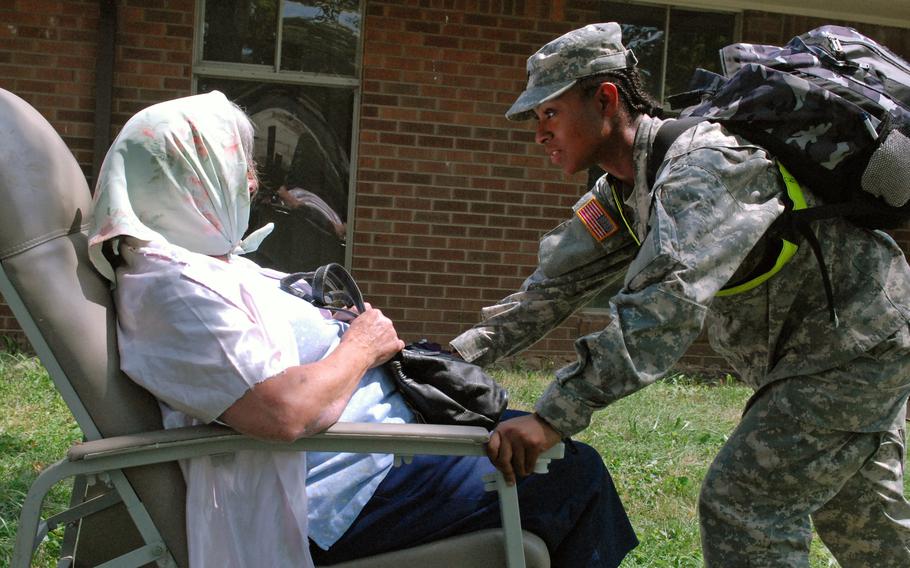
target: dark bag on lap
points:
(443, 389)
(439, 387)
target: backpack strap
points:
(333, 286)
(668, 132)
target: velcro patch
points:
(596, 219)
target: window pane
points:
(695, 39)
(643, 33)
(303, 141)
(320, 37)
(240, 31)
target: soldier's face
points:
(570, 129)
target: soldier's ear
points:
(608, 98)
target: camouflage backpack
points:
(832, 105)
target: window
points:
(671, 42)
(293, 66)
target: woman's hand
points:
(309, 398)
(374, 335)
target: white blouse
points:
(198, 333)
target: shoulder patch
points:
(597, 220)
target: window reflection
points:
(692, 37)
(320, 36)
(695, 40)
(302, 150)
(240, 31)
(643, 33)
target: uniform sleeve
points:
(706, 216)
(573, 267)
(195, 347)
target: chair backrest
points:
(66, 309)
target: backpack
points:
(832, 105)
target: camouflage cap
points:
(557, 66)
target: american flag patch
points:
(597, 220)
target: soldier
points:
(822, 437)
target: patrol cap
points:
(593, 49)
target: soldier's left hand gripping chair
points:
(133, 512)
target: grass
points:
(657, 444)
(36, 429)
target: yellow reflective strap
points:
(793, 188)
(788, 250)
(621, 214)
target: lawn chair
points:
(129, 494)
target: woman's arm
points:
(306, 399)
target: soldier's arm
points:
(584, 255)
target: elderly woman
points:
(213, 337)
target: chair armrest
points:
(399, 439)
(339, 437)
(109, 456)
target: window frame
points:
(274, 74)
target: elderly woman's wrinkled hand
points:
(375, 335)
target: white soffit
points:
(883, 12)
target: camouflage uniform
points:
(823, 435)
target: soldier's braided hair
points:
(635, 98)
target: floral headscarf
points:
(177, 172)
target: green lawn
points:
(36, 429)
(657, 443)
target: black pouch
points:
(443, 389)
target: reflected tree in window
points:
(304, 55)
(670, 43)
(302, 142)
(320, 36)
(695, 40)
(647, 42)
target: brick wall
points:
(452, 197)
(47, 57)
(48, 54)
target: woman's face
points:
(570, 130)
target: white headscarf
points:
(178, 172)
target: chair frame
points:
(104, 458)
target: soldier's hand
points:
(516, 443)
